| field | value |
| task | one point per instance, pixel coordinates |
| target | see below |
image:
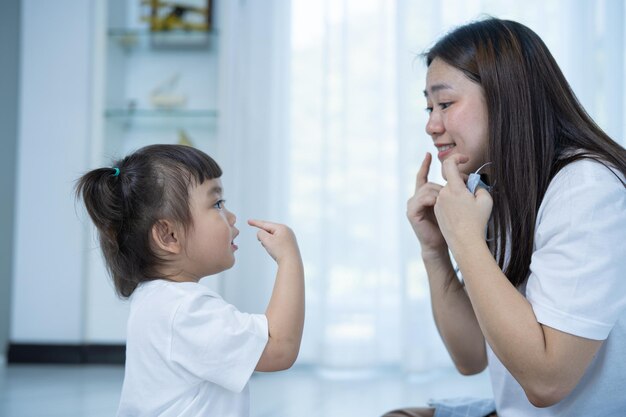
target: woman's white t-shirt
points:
(188, 353)
(577, 285)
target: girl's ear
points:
(166, 236)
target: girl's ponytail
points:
(100, 190)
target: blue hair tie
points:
(117, 171)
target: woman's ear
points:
(167, 237)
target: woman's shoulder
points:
(582, 187)
(588, 174)
(590, 169)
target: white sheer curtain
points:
(322, 127)
(357, 138)
(253, 126)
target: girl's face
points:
(209, 243)
(458, 118)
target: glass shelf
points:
(160, 113)
(174, 39)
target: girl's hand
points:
(277, 239)
(462, 217)
(421, 215)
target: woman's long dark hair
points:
(536, 127)
(126, 200)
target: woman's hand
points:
(421, 215)
(462, 217)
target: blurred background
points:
(314, 110)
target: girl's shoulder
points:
(161, 301)
(169, 292)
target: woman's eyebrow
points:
(437, 87)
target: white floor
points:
(93, 391)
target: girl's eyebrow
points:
(217, 190)
(437, 87)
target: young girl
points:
(163, 225)
(542, 300)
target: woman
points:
(542, 300)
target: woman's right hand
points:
(421, 215)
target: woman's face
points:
(458, 117)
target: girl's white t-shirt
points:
(577, 285)
(188, 353)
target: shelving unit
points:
(130, 62)
(178, 67)
(142, 38)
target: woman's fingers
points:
(422, 174)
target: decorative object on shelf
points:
(131, 105)
(160, 114)
(183, 138)
(179, 15)
(164, 97)
(128, 40)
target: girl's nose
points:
(231, 218)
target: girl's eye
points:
(429, 110)
(220, 204)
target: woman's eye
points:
(442, 106)
(220, 204)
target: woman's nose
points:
(434, 126)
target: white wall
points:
(54, 127)
(9, 76)
(61, 291)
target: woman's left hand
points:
(462, 217)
